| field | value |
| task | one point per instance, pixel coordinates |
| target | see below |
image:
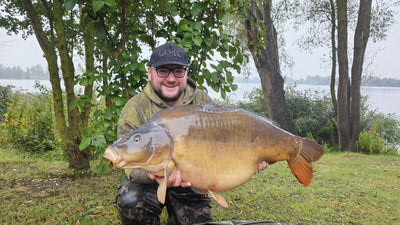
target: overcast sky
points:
(14, 51)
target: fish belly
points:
(221, 149)
(210, 166)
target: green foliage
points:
(314, 118)
(256, 102)
(5, 97)
(370, 143)
(380, 133)
(198, 27)
(313, 115)
(29, 122)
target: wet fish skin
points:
(216, 148)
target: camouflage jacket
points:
(143, 106)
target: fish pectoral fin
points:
(219, 198)
(128, 173)
(162, 191)
(162, 187)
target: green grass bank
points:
(348, 188)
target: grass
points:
(348, 188)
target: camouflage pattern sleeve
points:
(201, 98)
(130, 118)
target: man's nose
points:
(171, 76)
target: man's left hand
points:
(263, 165)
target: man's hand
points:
(174, 179)
(263, 165)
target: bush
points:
(28, 122)
(370, 143)
(313, 116)
(5, 96)
(380, 133)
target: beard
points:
(166, 98)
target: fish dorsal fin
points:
(219, 198)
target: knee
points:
(134, 204)
(129, 195)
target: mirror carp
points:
(216, 148)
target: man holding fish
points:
(137, 201)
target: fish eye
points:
(136, 138)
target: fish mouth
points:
(118, 161)
(111, 155)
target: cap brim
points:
(168, 63)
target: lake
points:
(383, 99)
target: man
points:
(168, 85)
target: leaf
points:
(197, 25)
(85, 143)
(73, 105)
(100, 141)
(97, 5)
(97, 113)
(108, 115)
(69, 4)
(110, 3)
(197, 8)
(197, 40)
(183, 26)
(148, 4)
(119, 102)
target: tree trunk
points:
(266, 60)
(344, 83)
(88, 38)
(78, 159)
(361, 37)
(334, 56)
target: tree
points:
(340, 16)
(112, 35)
(349, 95)
(361, 37)
(262, 42)
(343, 114)
(54, 41)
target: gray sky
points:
(382, 58)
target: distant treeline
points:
(318, 80)
(366, 81)
(32, 73)
(38, 73)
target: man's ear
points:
(149, 73)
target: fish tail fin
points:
(301, 167)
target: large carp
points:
(216, 148)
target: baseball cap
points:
(168, 54)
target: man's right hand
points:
(174, 179)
